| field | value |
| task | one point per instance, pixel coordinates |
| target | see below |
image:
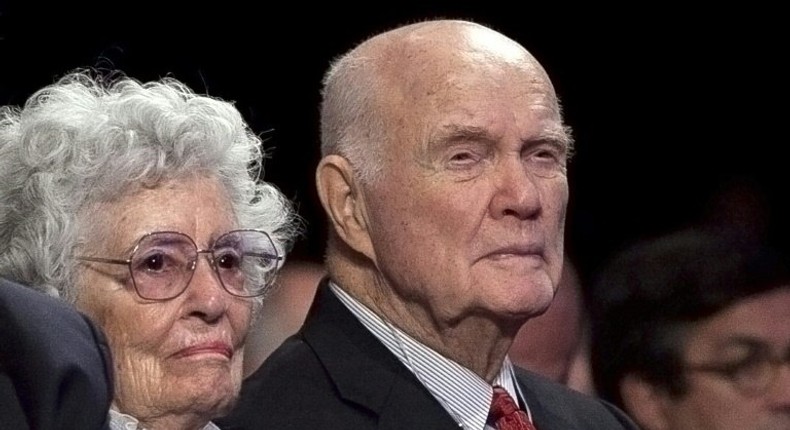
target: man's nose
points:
(517, 192)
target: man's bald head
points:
(366, 90)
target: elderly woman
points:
(140, 203)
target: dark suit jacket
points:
(334, 374)
(55, 364)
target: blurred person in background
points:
(283, 311)
(555, 343)
(691, 331)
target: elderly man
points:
(444, 179)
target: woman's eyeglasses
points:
(162, 263)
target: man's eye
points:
(461, 156)
(547, 155)
(546, 162)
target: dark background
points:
(672, 108)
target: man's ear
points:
(343, 201)
(645, 403)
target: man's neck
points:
(476, 343)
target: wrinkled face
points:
(469, 216)
(715, 401)
(178, 357)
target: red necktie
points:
(505, 412)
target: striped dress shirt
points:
(465, 395)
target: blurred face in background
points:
(734, 374)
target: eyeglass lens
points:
(757, 371)
(754, 372)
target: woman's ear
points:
(344, 203)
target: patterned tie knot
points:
(505, 412)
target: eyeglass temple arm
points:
(264, 255)
(103, 260)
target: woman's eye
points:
(153, 263)
(227, 261)
(158, 262)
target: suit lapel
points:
(546, 410)
(365, 372)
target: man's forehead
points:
(436, 50)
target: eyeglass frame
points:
(762, 356)
(193, 266)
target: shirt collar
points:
(465, 396)
(121, 421)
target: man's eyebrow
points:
(560, 136)
(454, 133)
